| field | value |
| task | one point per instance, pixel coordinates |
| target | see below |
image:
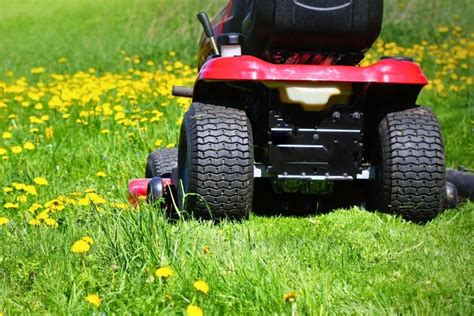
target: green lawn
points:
(84, 97)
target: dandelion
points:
(10, 205)
(80, 246)
(22, 198)
(4, 221)
(101, 174)
(19, 186)
(34, 222)
(164, 272)
(40, 181)
(201, 286)
(84, 202)
(7, 135)
(43, 215)
(37, 70)
(34, 207)
(3, 151)
(30, 189)
(49, 132)
(29, 146)
(443, 29)
(7, 190)
(88, 240)
(51, 222)
(93, 299)
(290, 296)
(16, 149)
(158, 143)
(95, 198)
(206, 250)
(193, 310)
(55, 205)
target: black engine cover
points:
(333, 149)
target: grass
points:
(348, 261)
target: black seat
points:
(323, 26)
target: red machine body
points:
(248, 68)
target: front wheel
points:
(215, 163)
(411, 172)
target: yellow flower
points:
(31, 190)
(290, 296)
(95, 198)
(34, 222)
(22, 198)
(7, 135)
(19, 186)
(11, 205)
(158, 143)
(43, 215)
(29, 146)
(40, 181)
(49, 132)
(16, 149)
(7, 190)
(84, 202)
(37, 70)
(164, 272)
(3, 151)
(88, 240)
(193, 310)
(80, 246)
(101, 174)
(93, 299)
(443, 29)
(201, 286)
(33, 208)
(51, 222)
(4, 221)
(55, 205)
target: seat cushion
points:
(339, 26)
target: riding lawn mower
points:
(283, 118)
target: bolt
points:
(336, 116)
(316, 137)
(356, 116)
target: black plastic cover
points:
(340, 26)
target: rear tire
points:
(411, 175)
(215, 163)
(161, 162)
